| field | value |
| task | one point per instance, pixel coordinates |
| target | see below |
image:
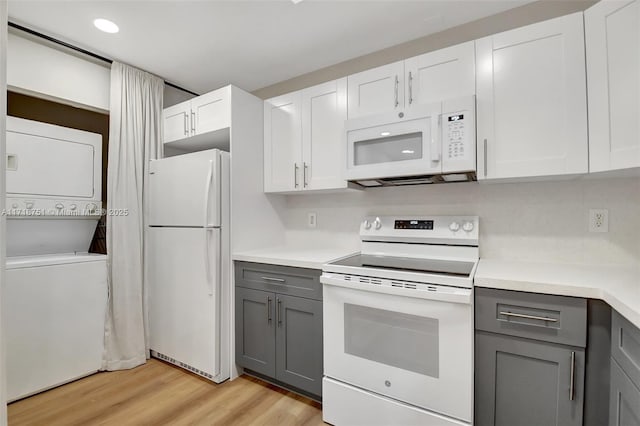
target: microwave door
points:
(380, 149)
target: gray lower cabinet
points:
(279, 335)
(624, 400)
(624, 403)
(527, 382)
(255, 330)
(529, 359)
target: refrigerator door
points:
(185, 190)
(184, 289)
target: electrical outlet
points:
(312, 219)
(598, 220)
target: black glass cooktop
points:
(429, 266)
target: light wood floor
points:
(161, 394)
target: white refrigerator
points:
(189, 264)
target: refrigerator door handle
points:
(207, 194)
(207, 261)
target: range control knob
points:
(366, 224)
(454, 226)
(59, 206)
(377, 223)
(467, 226)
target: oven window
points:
(405, 341)
(388, 149)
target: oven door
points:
(414, 349)
(386, 146)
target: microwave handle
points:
(436, 140)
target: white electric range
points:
(398, 324)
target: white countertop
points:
(618, 286)
(312, 258)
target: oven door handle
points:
(446, 294)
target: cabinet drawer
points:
(556, 319)
(625, 346)
(279, 279)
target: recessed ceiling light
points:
(408, 151)
(295, 1)
(106, 25)
(385, 133)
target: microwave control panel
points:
(455, 136)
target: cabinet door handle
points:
(572, 392)
(410, 88)
(295, 174)
(485, 158)
(186, 124)
(533, 317)
(396, 90)
(279, 313)
(277, 280)
(193, 122)
(304, 174)
(268, 309)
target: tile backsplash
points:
(539, 221)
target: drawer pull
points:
(277, 280)
(268, 309)
(533, 317)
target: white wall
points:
(545, 221)
(3, 115)
(37, 69)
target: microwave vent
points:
(418, 180)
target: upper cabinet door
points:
(324, 111)
(444, 74)
(176, 124)
(282, 143)
(612, 30)
(376, 91)
(211, 111)
(531, 99)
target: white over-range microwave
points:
(429, 143)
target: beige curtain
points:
(135, 133)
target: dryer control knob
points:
(28, 204)
(92, 207)
(366, 224)
(467, 226)
(454, 226)
(73, 207)
(14, 206)
(377, 223)
(59, 206)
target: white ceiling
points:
(202, 45)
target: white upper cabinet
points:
(612, 29)
(283, 143)
(377, 90)
(211, 111)
(303, 139)
(324, 111)
(441, 75)
(531, 101)
(176, 122)
(201, 115)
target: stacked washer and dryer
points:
(55, 296)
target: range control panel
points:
(454, 230)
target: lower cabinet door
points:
(299, 343)
(522, 382)
(624, 403)
(255, 330)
